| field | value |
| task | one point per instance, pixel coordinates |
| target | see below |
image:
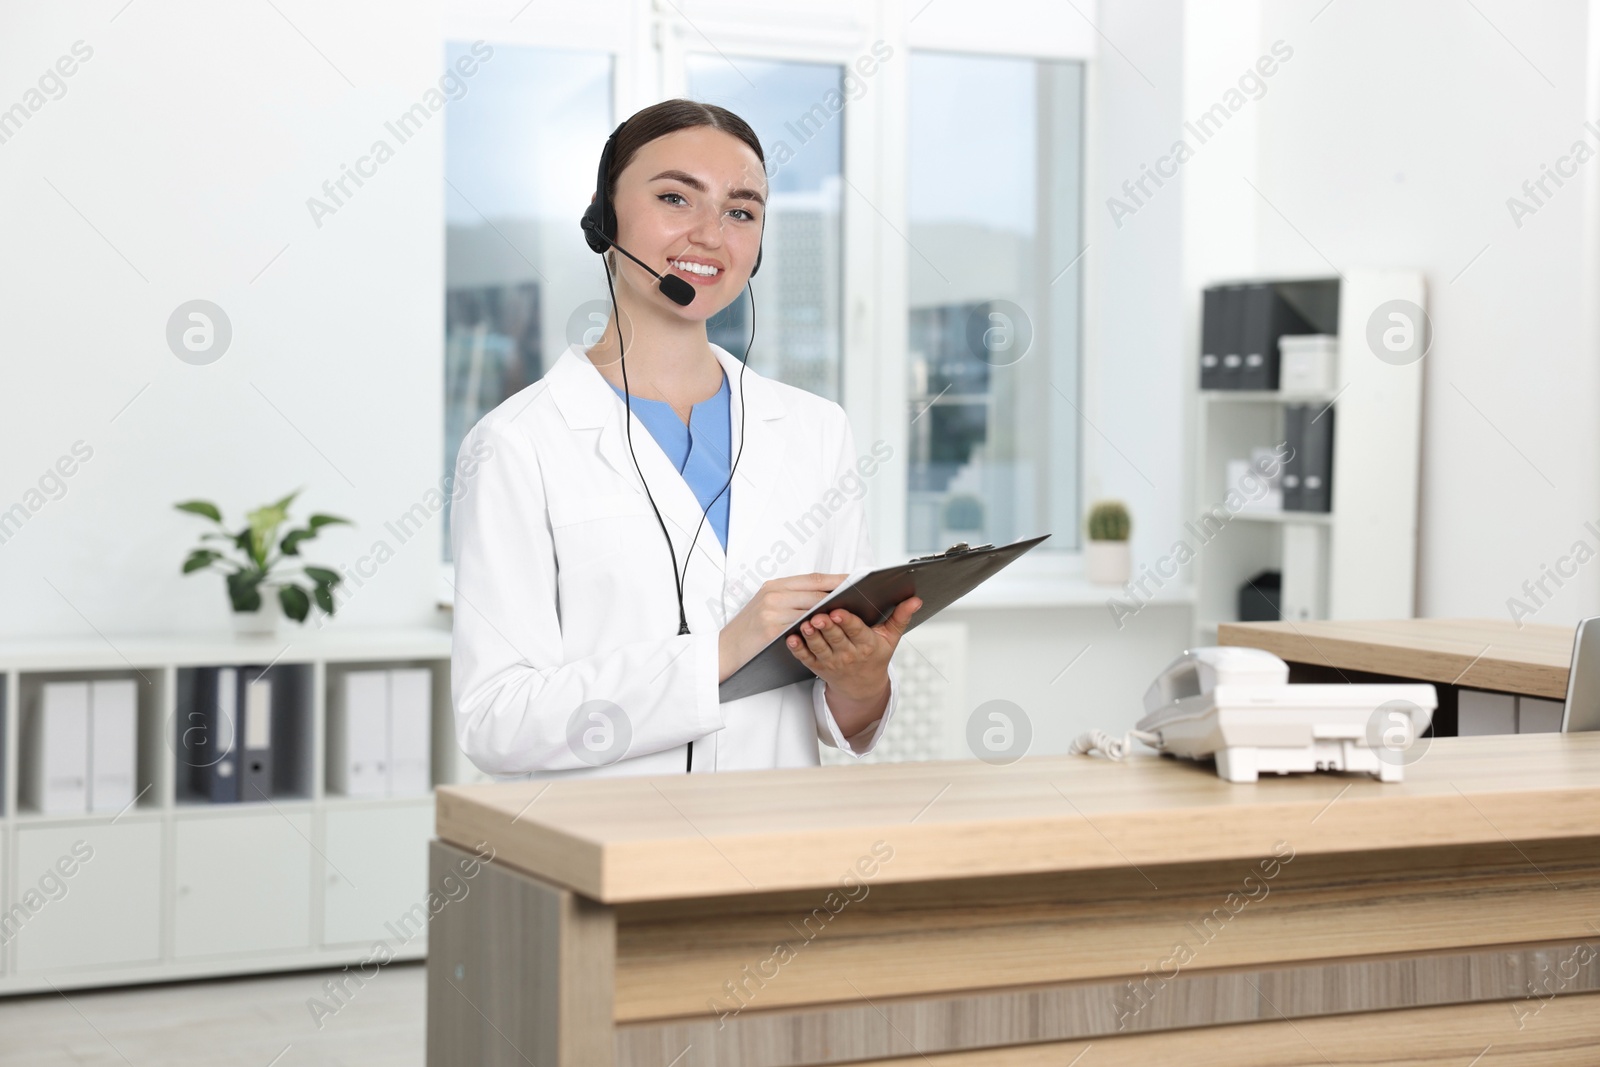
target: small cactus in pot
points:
(1108, 521)
(1105, 555)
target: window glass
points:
(520, 282)
(993, 195)
(796, 111)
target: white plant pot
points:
(263, 622)
(1107, 562)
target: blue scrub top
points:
(700, 450)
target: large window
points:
(994, 195)
(988, 256)
(797, 335)
(520, 283)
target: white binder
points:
(113, 744)
(410, 729)
(358, 756)
(59, 783)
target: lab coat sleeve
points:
(850, 553)
(515, 691)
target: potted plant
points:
(1105, 556)
(263, 561)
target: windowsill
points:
(1057, 580)
(1052, 581)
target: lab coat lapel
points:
(760, 469)
(588, 402)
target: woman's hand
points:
(852, 657)
(842, 650)
(774, 608)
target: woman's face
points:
(691, 203)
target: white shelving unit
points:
(178, 887)
(1359, 559)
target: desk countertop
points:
(660, 838)
(1531, 659)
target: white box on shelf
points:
(410, 731)
(113, 743)
(1308, 363)
(1259, 492)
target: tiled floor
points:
(233, 1022)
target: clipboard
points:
(940, 580)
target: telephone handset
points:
(1235, 705)
(1199, 671)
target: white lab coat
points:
(564, 592)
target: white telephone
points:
(1236, 705)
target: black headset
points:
(599, 224)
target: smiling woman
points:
(572, 653)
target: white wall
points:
(1133, 436)
(177, 165)
(1068, 669)
(1133, 440)
(1393, 138)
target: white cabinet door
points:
(5, 855)
(376, 877)
(243, 883)
(105, 912)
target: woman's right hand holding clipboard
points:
(778, 604)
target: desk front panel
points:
(1007, 968)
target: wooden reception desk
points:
(963, 915)
(1529, 659)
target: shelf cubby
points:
(441, 727)
(293, 731)
(180, 887)
(150, 689)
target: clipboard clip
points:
(958, 549)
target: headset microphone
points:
(672, 287)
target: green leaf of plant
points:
(244, 590)
(200, 559)
(201, 507)
(295, 602)
(324, 576)
(324, 597)
(264, 523)
(290, 545)
(318, 521)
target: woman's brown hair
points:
(670, 116)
